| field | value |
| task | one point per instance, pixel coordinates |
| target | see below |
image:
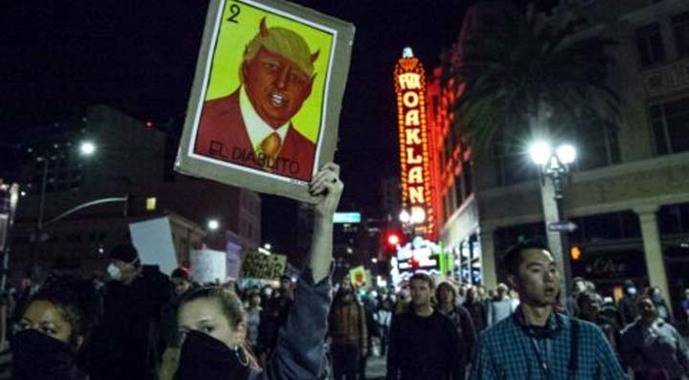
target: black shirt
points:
(423, 348)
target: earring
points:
(240, 353)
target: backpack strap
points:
(574, 350)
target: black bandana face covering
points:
(204, 357)
(37, 356)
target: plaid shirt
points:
(507, 352)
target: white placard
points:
(208, 265)
(153, 239)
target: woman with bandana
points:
(214, 324)
(52, 329)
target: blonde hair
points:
(283, 42)
(231, 307)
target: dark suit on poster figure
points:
(252, 126)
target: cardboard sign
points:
(153, 239)
(208, 266)
(266, 98)
(359, 277)
(258, 265)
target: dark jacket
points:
(657, 346)
(466, 332)
(273, 316)
(479, 314)
(125, 343)
(423, 348)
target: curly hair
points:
(76, 300)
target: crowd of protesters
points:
(143, 324)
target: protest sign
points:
(208, 266)
(266, 98)
(153, 239)
(358, 276)
(259, 265)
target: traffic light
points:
(575, 253)
(393, 239)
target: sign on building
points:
(410, 87)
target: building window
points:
(598, 144)
(670, 122)
(151, 203)
(680, 28)
(650, 44)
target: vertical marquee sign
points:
(410, 86)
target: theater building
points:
(629, 190)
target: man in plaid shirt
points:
(536, 342)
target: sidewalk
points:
(375, 368)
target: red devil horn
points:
(315, 55)
(263, 28)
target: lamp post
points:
(86, 149)
(554, 170)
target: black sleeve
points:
(455, 362)
(393, 364)
(469, 336)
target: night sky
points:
(139, 56)
(59, 56)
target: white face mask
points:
(114, 272)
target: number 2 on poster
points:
(234, 8)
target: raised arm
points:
(328, 187)
(300, 352)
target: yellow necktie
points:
(270, 146)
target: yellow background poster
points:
(229, 49)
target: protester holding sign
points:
(215, 326)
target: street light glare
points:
(418, 215)
(540, 152)
(87, 148)
(566, 153)
(213, 224)
(404, 216)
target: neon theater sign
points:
(410, 86)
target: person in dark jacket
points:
(423, 342)
(181, 283)
(627, 306)
(477, 308)
(126, 342)
(214, 322)
(652, 347)
(445, 294)
(52, 328)
(348, 332)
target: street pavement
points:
(375, 368)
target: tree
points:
(518, 76)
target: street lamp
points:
(554, 169)
(213, 224)
(87, 148)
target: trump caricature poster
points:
(267, 93)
